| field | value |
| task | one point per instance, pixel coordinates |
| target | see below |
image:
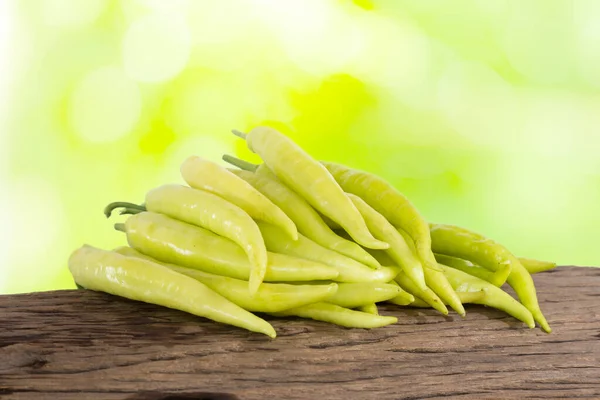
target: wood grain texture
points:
(82, 344)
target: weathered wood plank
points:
(82, 344)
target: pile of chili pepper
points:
(294, 236)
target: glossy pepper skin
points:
(270, 297)
(466, 266)
(536, 266)
(142, 280)
(206, 175)
(353, 295)
(308, 221)
(339, 316)
(399, 250)
(209, 211)
(494, 296)
(349, 270)
(461, 242)
(307, 177)
(176, 242)
(393, 205)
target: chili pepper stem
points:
(131, 211)
(239, 133)
(120, 227)
(241, 164)
(121, 204)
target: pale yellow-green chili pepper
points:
(460, 242)
(209, 211)
(399, 250)
(369, 309)
(349, 270)
(306, 218)
(494, 296)
(393, 205)
(270, 297)
(465, 298)
(466, 266)
(176, 242)
(353, 295)
(309, 178)
(403, 298)
(408, 285)
(142, 280)
(436, 280)
(536, 266)
(339, 316)
(211, 177)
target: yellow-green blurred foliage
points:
(486, 113)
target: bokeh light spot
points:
(157, 139)
(156, 47)
(35, 218)
(71, 13)
(364, 4)
(105, 105)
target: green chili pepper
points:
(399, 251)
(270, 297)
(349, 270)
(460, 242)
(206, 175)
(408, 285)
(352, 295)
(306, 218)
(339, 316)
(142, 280)
(465, 298)
(427, 295)
(209, 211)
(393, 205)
(436, 280)
(403, 298)
(466, 266)
(307, 177)
(494, 296)
(176, 242)
(369, 309)
(536, 266)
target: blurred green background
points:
(486, 113)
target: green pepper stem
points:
(121, 204)
(120, 227)
(241, 164)
(130, 211)
(239, 133)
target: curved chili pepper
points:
(176, 242)
(353, 295)
(494, 296)
(536, 266)
(307, 177)
(270, 297)
(399, 250)
(306, 218)
(209, 211)
(339, 316)
(349, 270)
(142, 280)
(369, 309)
(211, 177)
(466, 266)
(461, 242)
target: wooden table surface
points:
(82, 344)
